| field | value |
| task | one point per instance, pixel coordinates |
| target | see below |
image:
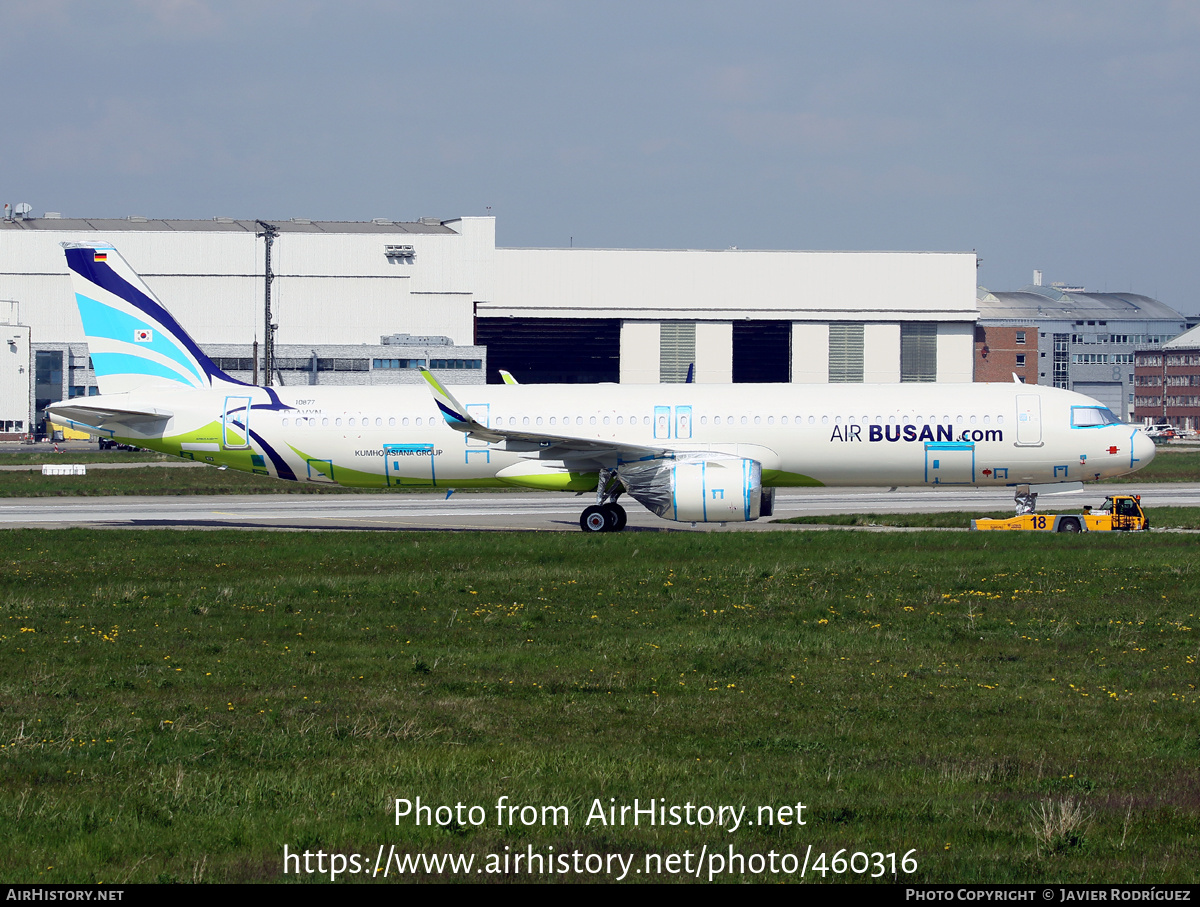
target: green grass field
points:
(76, 455)
(156, 480)
(181, 706)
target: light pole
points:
(268, 232)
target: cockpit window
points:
(1092, 417)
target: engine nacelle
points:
(697, 487)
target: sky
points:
(1052, 134)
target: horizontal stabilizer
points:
(99, 416)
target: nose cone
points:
(1143, 449)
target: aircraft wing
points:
(99, 416)
(550, 446)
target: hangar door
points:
(762, 352)
(552, 350)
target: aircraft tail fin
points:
(134, 342)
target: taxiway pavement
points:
(521, 511)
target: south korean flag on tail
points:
(143, 335)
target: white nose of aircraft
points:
(1143, 449)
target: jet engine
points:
(697, 487)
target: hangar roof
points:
(1188, 340)
(223, 224)
(1038, 303)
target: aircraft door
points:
(949, 463)
(235, 423)
(1029, 420)
(481, 413)
(321, 471)
(409, 464)
(662, 422)
(683, 422)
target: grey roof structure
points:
(427, 225)
(1033, 304)
(1188, 340)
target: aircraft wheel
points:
(594, 519)
(617, 518)
(1069, 526)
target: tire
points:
(594, 519)
(617, 518)
(1069, 525)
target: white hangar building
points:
(367, 302)
(738, 316)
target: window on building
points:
(455, 363)
(918, 352)
(1062, 362)
(1020, 360)
(342, 365)
(1020, 336)
(397, 363)
(846, 352)
(48, 378)
(233, 363)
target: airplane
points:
(687, 452)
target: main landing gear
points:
(606, 515)
(603, 518)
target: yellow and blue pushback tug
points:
(1118, 513)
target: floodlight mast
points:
(268, 232)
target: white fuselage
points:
(829, 434)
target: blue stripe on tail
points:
(102, 321)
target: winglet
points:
(453, 412)
(507, 376)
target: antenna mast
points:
(268, 232)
